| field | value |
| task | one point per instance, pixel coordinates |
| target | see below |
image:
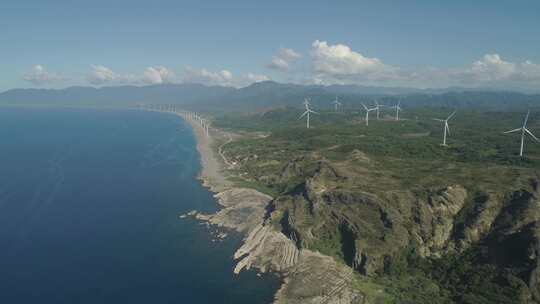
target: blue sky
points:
(405, 43)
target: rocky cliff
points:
(332, 213)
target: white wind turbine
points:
(307, 112)
(446, 128)
(367, 113)
(377, 107)
(523, 130)
(398, 108)
(336, 104)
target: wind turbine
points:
(377, 107)
(446, 128)
(398, 108)
(523, 130)
(336, 104)
(367, 113)
(307, 112)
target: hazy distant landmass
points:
(265, 94)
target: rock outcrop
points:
(309, 277)
(266, 249)
(243, 209)
(368, 228)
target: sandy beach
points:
(305, 273)
(212, 172)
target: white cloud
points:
(283, 59)
(278, 64)
(340, 62)
(493, 71)
(157, 75)
(528, 71)
(491, 67)
(40, 76)
(221, 78)
(101, 74)
(289, 54)
(203, 76)
(251, 78)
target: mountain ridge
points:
(266, 94)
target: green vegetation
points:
(475, 136)
(465, 278)
(375, 182)
(409, 150)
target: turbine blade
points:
(303, 114)
(313, 112)
(365, 107)
(530, 133)
(512, 131)
(526, 118)
(451, 115)
(436, 119)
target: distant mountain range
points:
(264, 95)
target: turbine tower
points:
(307, 112)
(446, 128)
(398, 108)
(367, 113)
(377, 107)
(336, 104)
(524, 131)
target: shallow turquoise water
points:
(88, 213)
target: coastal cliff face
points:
(357, 229)
(309, 277)
(368, 229)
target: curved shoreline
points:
(306, 276)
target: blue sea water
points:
(88, 213)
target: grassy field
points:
(277, 155)
(478, 153)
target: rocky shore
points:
(308, 277)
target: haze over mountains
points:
(265, 94)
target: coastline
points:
(212, 171)
(306, 276)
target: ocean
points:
(89, 205)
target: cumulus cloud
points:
(203, 76)
(528, 71)
(283, 59)
(157, 75)
(493, 71)
(289, 54)
(251, 78)
(278, 64)
(341, 63)
(491, 67)
(221, 78)
(40, 76)
(100, 75)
